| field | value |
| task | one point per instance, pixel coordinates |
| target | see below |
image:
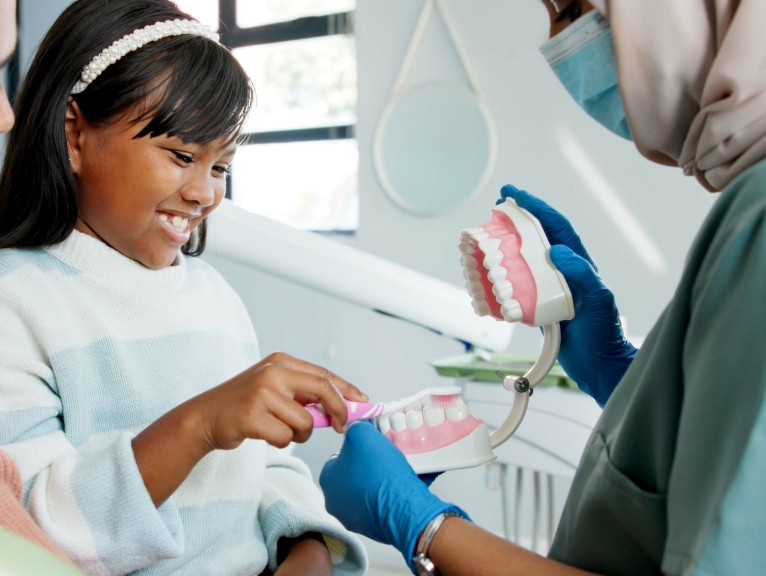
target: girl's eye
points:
(182, 157)
(226, 170)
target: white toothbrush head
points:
(438, 391)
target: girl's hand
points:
(307, 557)
(267, 402)
(264, 402)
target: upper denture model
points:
(508, 270)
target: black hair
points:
(187, 86)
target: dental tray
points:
(482, 368)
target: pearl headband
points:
(136, 40)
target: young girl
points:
(131, 395)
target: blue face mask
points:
(582, 56)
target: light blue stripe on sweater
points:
(129, 384)
(125, 526)
(19, 425)
(12, 259)
(217, 544)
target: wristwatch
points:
(423, 565)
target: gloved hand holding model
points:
(594, 351)
(371, 488)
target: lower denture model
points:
(432, 428)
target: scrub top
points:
(672, 476)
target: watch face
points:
(424, 566)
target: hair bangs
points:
(205, 96)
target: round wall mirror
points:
(435, 148)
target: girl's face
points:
(145, 196)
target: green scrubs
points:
(650, 487)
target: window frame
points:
(232, 36)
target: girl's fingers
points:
(295, 416)
(347, 390)
(272, 430)
(298, 384)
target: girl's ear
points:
(74, 122)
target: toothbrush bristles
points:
(445, 401)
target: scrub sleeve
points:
(649, 489)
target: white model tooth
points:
(414, 419)
(457, 413)
(466, 247)
(481, 307)
(471, 274)
(398, 421)
(497, 273)
(511, 310)
(503, 289)
(164, 217)
(480, 236)
(493, 259)
(476, 289)
(474, 231)
(384, 424)
(176, 221)
(489, 245)
(415, 406)
(468, 262)
(433, 416)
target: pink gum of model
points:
(427, 438)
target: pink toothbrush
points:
(367, 410)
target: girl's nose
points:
(202, 191)
(6, 113)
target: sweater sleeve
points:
(292, 505)
(90, 499)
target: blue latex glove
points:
(372, 489)
(594, 351)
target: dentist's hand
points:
(594, 351)
(371, 488)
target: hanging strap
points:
(417, 37)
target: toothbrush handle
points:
(356, 411)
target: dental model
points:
(509, 275)
(437, 433)
(432, 428)
(508, 271)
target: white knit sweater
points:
(93, 348)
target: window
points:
(299, 159)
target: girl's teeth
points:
(178, 222)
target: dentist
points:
(671, 479)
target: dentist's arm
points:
(371, 488)
(461, 548)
